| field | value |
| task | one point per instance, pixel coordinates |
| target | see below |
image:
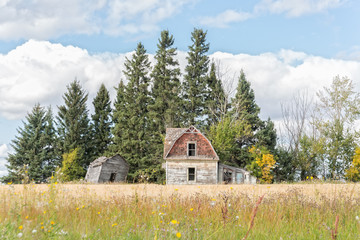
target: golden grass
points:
(149, 211)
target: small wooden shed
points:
(107, 169)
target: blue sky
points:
(282, 45)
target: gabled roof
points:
(173, 134)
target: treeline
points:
(154, 99)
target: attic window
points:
(191, 149)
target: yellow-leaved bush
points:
(353, 172)
(265, 162)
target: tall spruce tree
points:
(34, 147)
(101, 122)
(132, 132)
(165, 111)
(195, 79)
(244, 106)
(216, 99)
(73, 124)
(118, 118)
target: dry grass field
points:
(149, 211)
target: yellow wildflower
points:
(191, 209)
(174, 222)
(42, 223)
(52, 223)
(82, 206)
(55, 183)
(20, 227)
(9, 183)
(42, 227)
(178, 235)
(49, 230)
(26, 217)
(176, 189)
(98, 213)
(311, 177)
(77, 209)
(114, 224)
(44, 212)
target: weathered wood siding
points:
(177, 172)
(204, 149)
(114, 166)
(93, 174)
(243, 177)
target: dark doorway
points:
(227, 176)
(112, 177)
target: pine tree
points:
(73, 124)
(118, 118)
(34, 147)
(165, 110)
(216, 101)
(101, 121)
(195, 79)
(266, 135)
(243, 105)
(132, 134)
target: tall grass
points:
(62, 211)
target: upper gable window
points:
(191, 149)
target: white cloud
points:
(39, 71)
(3, 154)
(3, 151)
(44, 19)
(296, 8)
(225, 18)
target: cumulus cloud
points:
(3, 154)
(44, 19)
(295, 8)
(225, 18)
(38, 72)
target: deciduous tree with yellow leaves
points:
(263, 164)
(353, 172)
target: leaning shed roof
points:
(99, 161)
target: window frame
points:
(188, 149)
(188, 174)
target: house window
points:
(191, 174)
(112, 177)
(191, 149)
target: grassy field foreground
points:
(124, 211)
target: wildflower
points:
(26, 217)
(357, 218)
(98, 213)
(176, 189)
(191, 209)
(231, 188)
(52, 177)
(52, 223)
(77, 209)
(49, 230)
(50, 201)
(114, 224)
(44, 212)
(307, 177)
(55, 183)
(311, 177)
(34, 231)
(82, 206)
(237, 217)
(21, 227)
(20, 235)
(178, 235)
(9, 183)
(42, 223)
(42, 227)
(174, 222)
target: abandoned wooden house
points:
(191, 159)
(103, 169)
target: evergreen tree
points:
(216, 99)
(132, 132)
(266, 135)
(73, 124)
(165, 110)
(34, 147)
(101, 121)
(195, 79)
(118, 118)
(243, 105)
